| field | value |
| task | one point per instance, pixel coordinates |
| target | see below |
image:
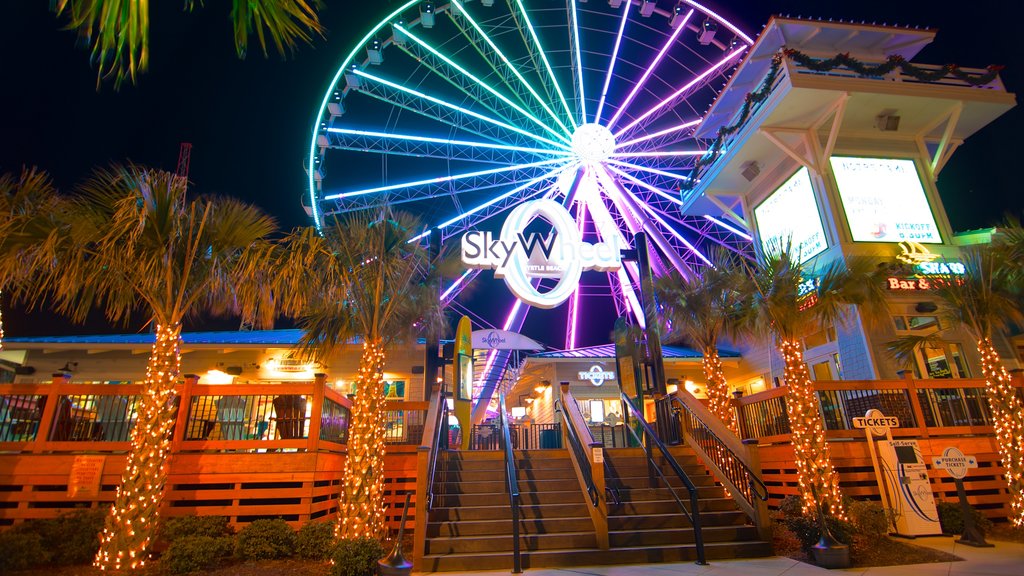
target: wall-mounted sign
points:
(85, 477)
(789, 218)
(908, 284)
(520, 258)
(596, 375)
(503, 340)
(884, 200)
(925, 261)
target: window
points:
(916, 323)
(941, 360)
(820, 338)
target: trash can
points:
(550, 439)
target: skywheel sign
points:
(523, 259)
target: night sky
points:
(249, 120)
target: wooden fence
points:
(939, 413)
(245, 451)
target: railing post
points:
(313, 440)
(184, 408)
(761, 520)
(49, 409)
(915, 402)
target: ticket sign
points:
(955, 462)
(876, 421)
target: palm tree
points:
(784, 303)
(699, 311)
(133, 241)
(361, 279)
(28, 205)
(986, 300)
(117, 31)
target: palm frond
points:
(905, 348)
(117, 33)
(286, 23)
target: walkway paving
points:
(1005, 559)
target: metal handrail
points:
(440, 426)
(513, 485)
(694, 513)
(578, 453)
(724, 457)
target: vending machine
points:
(905, 478)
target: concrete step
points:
(504, 526)
(499, 542)
(527, 498)
(501, 510)
(676, 520)
(499, 486)
(675, 536)
(644, 507)
(593, 556)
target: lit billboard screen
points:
(789, 217)
(884, 200)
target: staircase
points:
(648, 526)
(470, 525)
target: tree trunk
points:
(1008, 421)
(361, 504)
(132, 520)
(718, 389)
(819, 482)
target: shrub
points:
(805, 528)
(869, 518)
(174, 529)
(315, 541)
(70, 538)
(195, 553)
(266, 540)
(21, 550)
(791, 506)
(357, 557)
(951, 518)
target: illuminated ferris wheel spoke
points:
(430, 147)
(497, 204)
(650, 70)
(611, 65)
(474, 178)
(667, 104)
(457, 108)
(574, 300)
(460, 284)
(684, 128)
(536, 50)
(636, 168)
(577, 61)
(732, 28)
(466, 74)
(496, 64)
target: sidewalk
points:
(1006, 559)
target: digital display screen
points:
(884, 200)
(906, 454)
(789, 218)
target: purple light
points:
(732, 229)
(691, 84)
(611, 66)
(659, 154)
(579, 62)
(574, 304)
(648, 169)
(442, 179)
(650, 70)
(646, 137)
(639, 182)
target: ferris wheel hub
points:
(593, 143)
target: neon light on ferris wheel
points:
(427, 100)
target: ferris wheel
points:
(460, 111)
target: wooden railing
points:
(939, 413)
(245, 451)
(588, 462)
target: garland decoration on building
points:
(843, 60)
